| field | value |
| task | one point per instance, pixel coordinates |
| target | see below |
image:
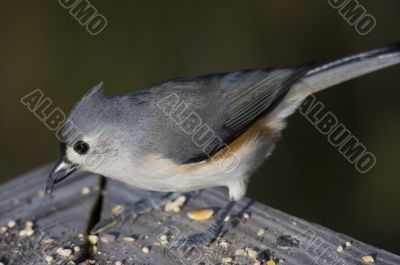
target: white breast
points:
(232, 169)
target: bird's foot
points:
(199, 239)
(210, 235)
(131, 212)
(107, 224)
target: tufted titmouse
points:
(195, 133)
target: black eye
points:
(81, 147)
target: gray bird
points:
(195, 133)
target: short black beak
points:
(61, 170)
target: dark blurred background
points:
(43, 47)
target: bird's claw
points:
(104, 225)
(199, 239)
(108, 223)
(131, 212)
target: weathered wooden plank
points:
(59, 221)
(286, 240)
(267, 234)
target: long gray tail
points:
(337, 72)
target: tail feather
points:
(351, 67)
(337, 72)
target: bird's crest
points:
(94, 92)
(82, 118)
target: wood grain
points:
(62, 217)
(260, 233)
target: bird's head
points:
(87, 137)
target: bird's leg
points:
(211, 233)
(236, 220)
(133, 211)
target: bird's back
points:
(189, 120)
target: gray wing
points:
(180, 111)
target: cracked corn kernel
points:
(368, 259)
(200, 215)
(117, 209)
(270, 262)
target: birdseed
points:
(175, 206)
(368, 259)
(117, 209)
(200, 215)
(246, 216)
(49, 259)
(3, 229)
(129, 239)
(226, 260)
(26, 232)
(64, 252)
(85, 191)
(29, 224)
(339, 249)
(239, 252)
(260, 232)
(223, 244)
(48, 241)
(108, 238)
(146, 250)
(11, 224)
(251, 253)
(93, 239)
(163, 239)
